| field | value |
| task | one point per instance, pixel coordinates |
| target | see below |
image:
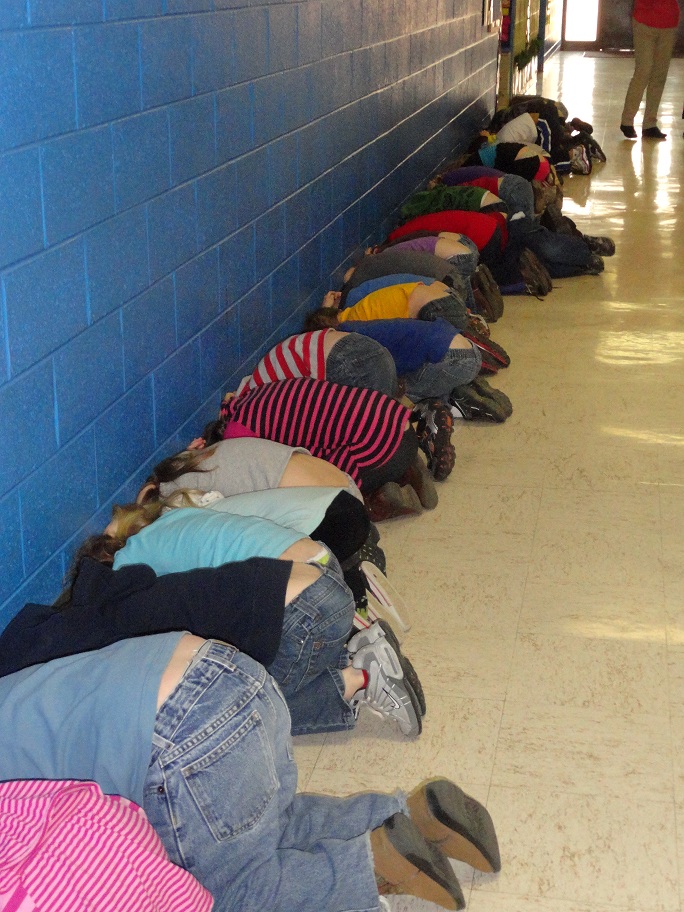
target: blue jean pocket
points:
(233, 783)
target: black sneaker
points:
(434, 428)
(595, 266)
(467, 397)
(653, 133)
(604, 246)
(490, 392)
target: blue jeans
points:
(316, 627)
(458, 367)
(466, 263)
(358, 360)
(518, 195)
(221, 793)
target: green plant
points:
(529, 53)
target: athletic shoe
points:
(484, 281)
(418, 476)
(489, 365)
(434, 428)
(467, 397)
(483, 306)
(595, 266)
(391, 501)
(653, 133)
(535, 274)
(581, 125)
(382, 628)
(628, 131)
(580, 163)
(406, 863)
(386, 692)
(490, 392)
(499, 354)
(604, 246)
(458, 824)
(478, 322)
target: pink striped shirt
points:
(355, 429)
(297, 356)
(66, 847)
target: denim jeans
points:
(466, 263)
(316, 627)
(518, 195)
(450, 308)
(221, 793)
(357, 360)
(563, 254)
(458, 367)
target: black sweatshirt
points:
(241, 603)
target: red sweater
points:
(478, 226)
(662, 14)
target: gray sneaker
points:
(387, 692)
(371, 634)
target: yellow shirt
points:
(390, 303)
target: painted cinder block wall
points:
(180, 181)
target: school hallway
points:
(547, 588)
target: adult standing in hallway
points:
(655, 30)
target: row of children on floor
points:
(259, 536)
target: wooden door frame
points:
(580, 45)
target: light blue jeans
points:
(221, 793)
(458, 367)
(312, 652)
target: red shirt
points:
(657, 13)
(478, 226)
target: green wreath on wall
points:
(529, 53)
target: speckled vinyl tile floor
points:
(547, 588)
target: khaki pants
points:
(652, 54)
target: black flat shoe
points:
(629, 132)
(653, 133)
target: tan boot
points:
(391, 501)
(456, 823)
(406, 863)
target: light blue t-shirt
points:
(302, 509)
(49, 715)
(192, 537)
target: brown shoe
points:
(419, 478)
(458, 824)
(391, 501)
(406, 863)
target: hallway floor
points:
(547, 588)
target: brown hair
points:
(170, 469)
(323, 318)
(127, 520)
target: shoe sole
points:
(534, 273)
(484, 389)
(437, 446)
(480, 406)
(386, 600)
(458, 824)
(487, 284)
(410, 865)
(410, 672)
(499, 354)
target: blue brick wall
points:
(181, 180)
